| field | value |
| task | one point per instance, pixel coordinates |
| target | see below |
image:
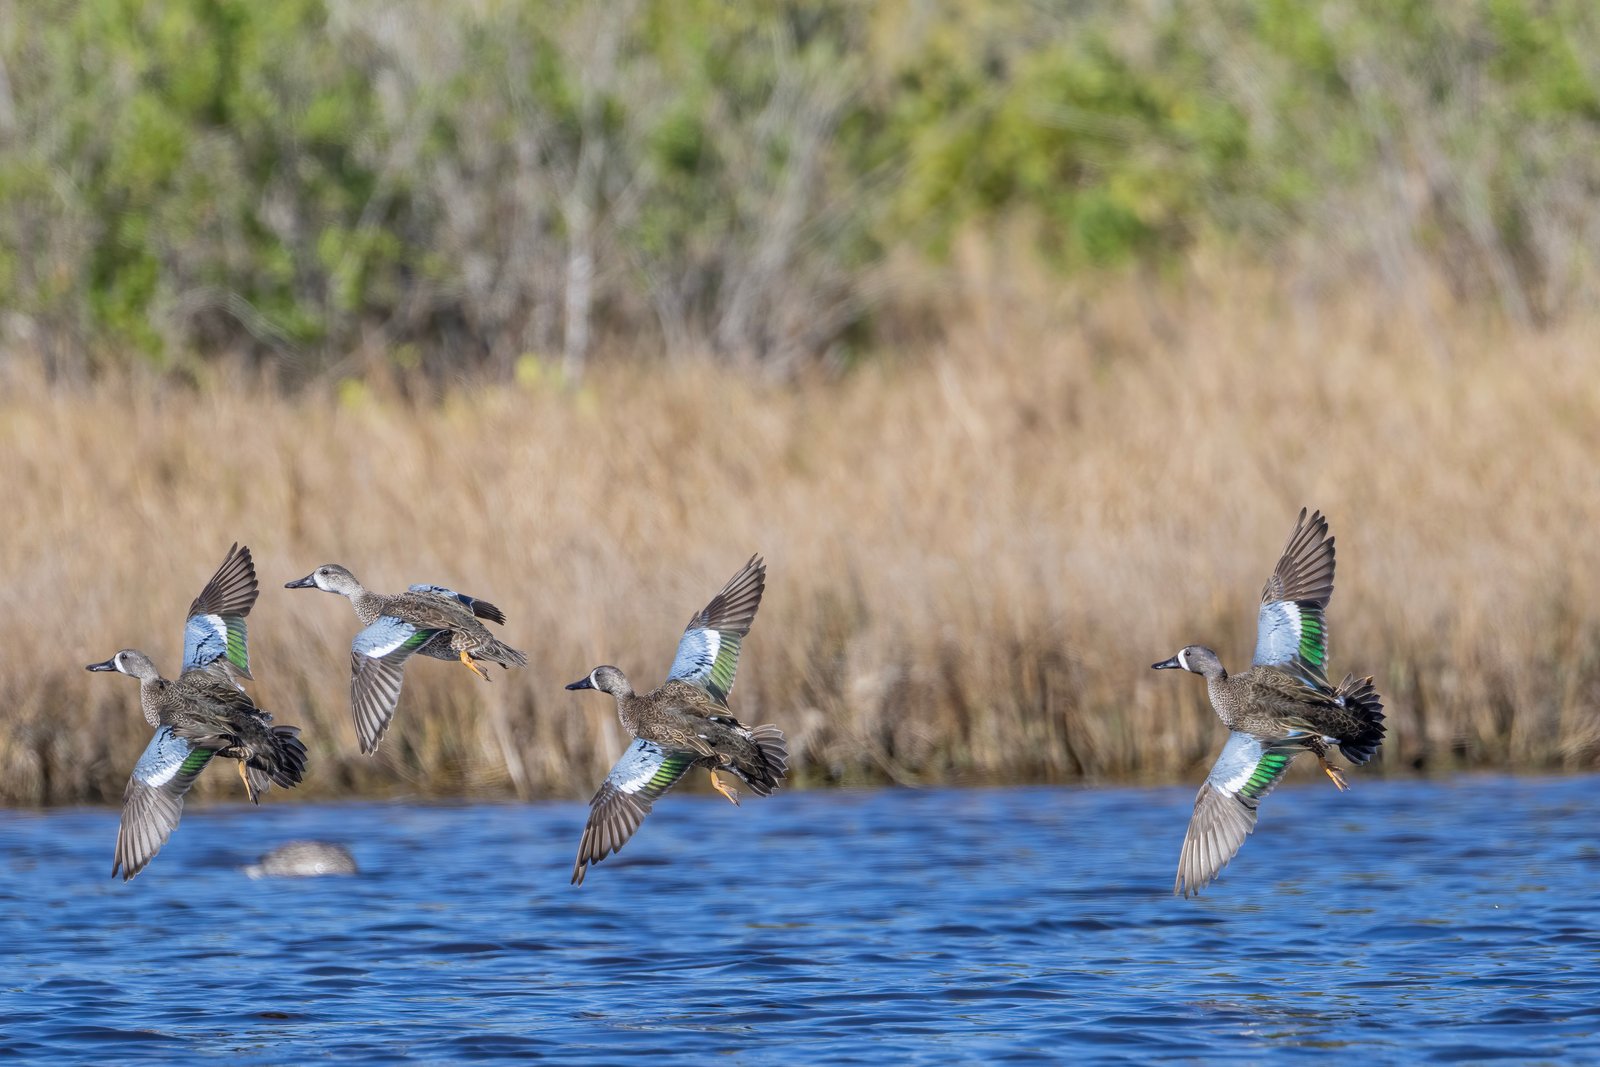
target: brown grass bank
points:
(975, 551)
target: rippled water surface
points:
(1400, 922)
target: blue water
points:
(1399, 922)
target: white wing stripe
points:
(162, 758)
(163, 775)
(1236, 764)
(379, 651)
(1236, 783)
(386, 634)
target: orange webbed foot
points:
(473, 667)
(1336, 775)
(725, 789)
(244, 777)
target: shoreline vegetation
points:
(975, 550)
(1013, 337)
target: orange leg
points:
(245, 778)
(725, 788)
(473, 667)
(1333, 772)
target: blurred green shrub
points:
(309, 179)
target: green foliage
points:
(209, 175)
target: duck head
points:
(1196, 659)
(131, 662)
(330, 578)
(607, 680)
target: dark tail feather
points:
(497, 651)
(284, 764)
(774, 765)
(774, 749)
(1358, 696)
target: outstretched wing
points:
(1292, 630)
(1225, 810)
(708, 653)
(153, 801)
(644, 773)
(216, 628)
(481, 608)
(377, 656)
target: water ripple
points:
(1424, 921)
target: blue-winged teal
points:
(1282, 706)
(201, 714)
(304, 859)
(426, 619)
(684, 723)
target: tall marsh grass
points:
(976, 550)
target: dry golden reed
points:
(976, 550)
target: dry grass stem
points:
(975, 551)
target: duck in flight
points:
(684, 723)
(201, 714)
(426, 619)
(1281, 706)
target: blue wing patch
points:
(647, 768)
(388, 634)
(1248, 770)
(167, 756)
(208, 638)
(697, 652)
(708, 659)
(1292, 634)
(1277, 632)
(205, 640)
